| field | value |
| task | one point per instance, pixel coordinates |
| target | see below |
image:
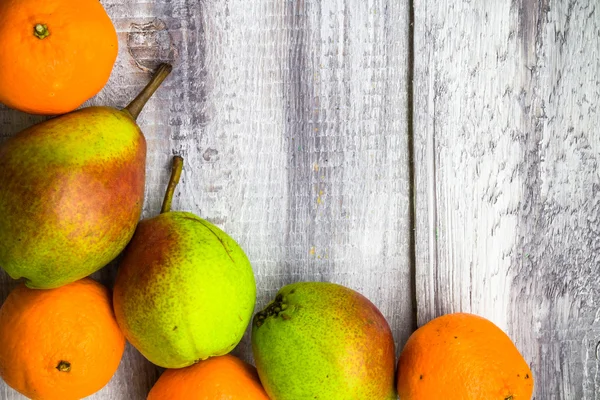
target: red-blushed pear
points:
(71, 192)
(185, 290)
(320, 340)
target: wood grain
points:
(292, 119)
(507, 181)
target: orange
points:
(217, 378)
(462, 356)
(60, 343)
(54, 54)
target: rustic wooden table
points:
(437, 156)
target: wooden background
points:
(436, 155)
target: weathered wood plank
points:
(507, 179)
(291, 116)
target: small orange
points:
(462, 356)
(59, 343)
(217, 378)
(54, 54)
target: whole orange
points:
(462, 356)
(59, 343)
(54, 54)
(217, 378)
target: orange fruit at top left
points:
(54, 54)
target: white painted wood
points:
(292, 119)
(506, 158)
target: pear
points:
(185, 290)
(320, 340)
(71, 192)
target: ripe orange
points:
(462, 356)
(217, 378)
(54, 54)
(59, 343)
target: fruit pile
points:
(71, 195)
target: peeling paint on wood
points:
(507, 153)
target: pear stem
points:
(173, 181)
(135, 107)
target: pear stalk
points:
(135, 107)
(173, 181)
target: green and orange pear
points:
(185, 290)
(71, 192)
(320, 340)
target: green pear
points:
(185, 290)
(323, 341)
(71, 192)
